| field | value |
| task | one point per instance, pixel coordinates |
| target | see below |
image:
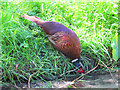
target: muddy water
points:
(91, 81)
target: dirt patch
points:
(91, 81)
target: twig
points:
(29, 80)
(109, 71)
(108, 67)
(86, 73)
(73, 86)
(71, 83)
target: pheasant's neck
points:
(77, 62)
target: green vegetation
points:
(116, 47)
(26, 50)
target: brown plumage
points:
(61, 38)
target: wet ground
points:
(93, 81)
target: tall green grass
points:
(26, 50)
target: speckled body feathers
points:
(62, 38)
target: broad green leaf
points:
(116, 47)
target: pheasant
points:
(63, 39)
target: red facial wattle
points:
(80, 70)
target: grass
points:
(26, 50)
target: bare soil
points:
(91, 81)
